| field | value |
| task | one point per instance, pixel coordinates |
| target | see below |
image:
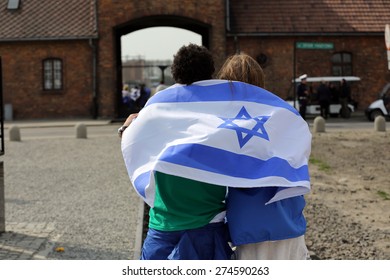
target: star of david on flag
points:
(219, 132)
(244, 134)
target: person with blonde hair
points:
(243, 68)
(260, 229)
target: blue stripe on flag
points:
(141, 182)
(229, 91)
(231, 164)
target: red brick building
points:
(355, 30)
(62, 59)
(47, 50)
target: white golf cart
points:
(313, 107)
(380, 107)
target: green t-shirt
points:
(181, 204)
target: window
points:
(13, 4)
(342, 64)
(52, 74)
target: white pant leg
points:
(287, 249)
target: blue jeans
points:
(206, 243)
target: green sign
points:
(314, 46)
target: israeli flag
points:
(220, 132)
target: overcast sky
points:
(157, 42)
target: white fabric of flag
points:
(220, 132)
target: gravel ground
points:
(78, 185)
(348, 209)
(333, 236)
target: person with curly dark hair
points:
(192, 63)
(186, 217)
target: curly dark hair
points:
(192, 63)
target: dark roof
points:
(309, 16)
(48, 19)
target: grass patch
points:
(323, 166)
(384, 195)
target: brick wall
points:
(22, 79)
(369, 62)
(115, 13)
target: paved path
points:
(68, 198)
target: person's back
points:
(182, 203)
(258, 229)
(334, 92)
(303, 95)
(323, 93)
(345, 91)
(187, 216)
(264, 231)
(344, 97)
(144, 96)
(324, 97)
(302, 90)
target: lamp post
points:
(162, 68)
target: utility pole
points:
(387, 40)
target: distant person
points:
(135, 93)
(324, 98)
(161, 86)
(386, 101)
(303, 95)
(345, 97)
(125, 95)
(144, 96)
(334, 93)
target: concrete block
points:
(319, 124)
(81, 131)
(8, 112)
(380, 123)
(14, 133)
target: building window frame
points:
(342, 64)
(13, 4)
(52, 74)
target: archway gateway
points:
(142, 23)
